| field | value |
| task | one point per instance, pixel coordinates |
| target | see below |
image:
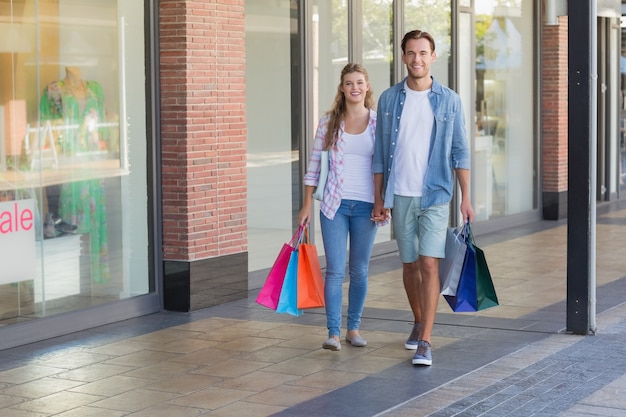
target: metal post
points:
(581, 202)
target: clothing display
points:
(80, 105)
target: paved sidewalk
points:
(562, 375)
(241, 359)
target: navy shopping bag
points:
(466, 298)
(475, 290)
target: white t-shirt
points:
(357, 160)
(411, 153)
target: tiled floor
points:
(241, 359)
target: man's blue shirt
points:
(449, 149)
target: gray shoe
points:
(412, 342)
(332, 344)
(423, 355)
(357, 341)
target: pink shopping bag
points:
(270, 292)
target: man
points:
(420, 145)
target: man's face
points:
(418, 58)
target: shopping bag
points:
(270, 292)
(288, 300)
(310, 280)
(484, 284)
(475, 291)
(318, 193)
(465, 299)
(450, 266)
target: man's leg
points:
(405, 231)
(432, 238)
(411, 279)
(429, 289)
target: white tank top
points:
(358, 181)
(413, 146)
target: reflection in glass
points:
(330, 54)
(434, 18)
(273, 176)
(64, 146)
(504, 139)
(378, 59)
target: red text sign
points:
(17, 241)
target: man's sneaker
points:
(411, 342)
(422, 355)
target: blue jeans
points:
(352, 218)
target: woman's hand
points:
(304, 216)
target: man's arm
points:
(463, 176)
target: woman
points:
(347, 132)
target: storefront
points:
(151, 155)
(74, 164)
(487, 52)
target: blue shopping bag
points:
(475, 290)
(288, 300)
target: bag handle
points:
(461, 231)
(297, 237)
(470, 235)
(305, 235)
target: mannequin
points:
(79, 104)
(74, 83)
(76, 101)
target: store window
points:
(332, 41)
(272, 102)
(378, 59)
(73, 156)
(329, 54)
(434, 18)
(275, 103)
(503, 177)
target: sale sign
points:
(17, 241)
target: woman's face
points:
(354, 87)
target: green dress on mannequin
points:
(83, 203)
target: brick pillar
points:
(203, 146)
(554, 120)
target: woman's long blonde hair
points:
(338, 109)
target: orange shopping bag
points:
(310, 280)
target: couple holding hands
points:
(400, 160)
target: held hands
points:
(380, 213)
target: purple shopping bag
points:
(270, 292)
